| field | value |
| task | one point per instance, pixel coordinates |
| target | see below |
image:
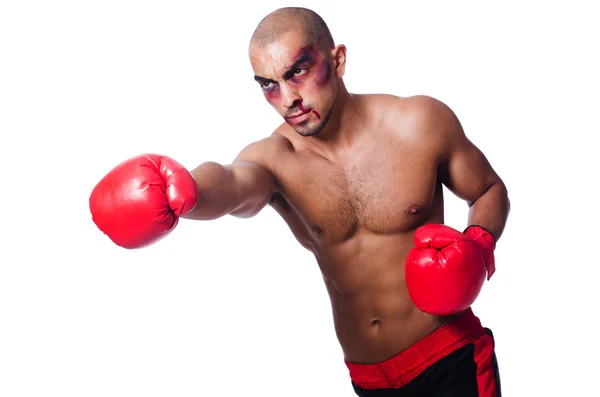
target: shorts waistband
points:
(403, 368)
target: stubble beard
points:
(318, 127)
(314, 129)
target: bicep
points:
(463, 167)
(466, 171)
(254, 186)
(253, 178)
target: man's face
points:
(298, 80)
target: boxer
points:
(359, 180)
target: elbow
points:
(503, 194)
(499, 192)
(506, 201)
(495, 191)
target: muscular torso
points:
(357, 211)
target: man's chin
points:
(310, 129)
(307, 132)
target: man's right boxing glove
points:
(446, 269)
(140, 200)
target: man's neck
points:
(344, 123)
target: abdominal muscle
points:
(373, 314)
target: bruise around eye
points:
(267, 86)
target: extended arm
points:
(241, 188)
(140, 200)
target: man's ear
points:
(338, 55)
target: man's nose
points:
(289, 96)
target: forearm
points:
(240, 189)
(491, 210)
(216, 192)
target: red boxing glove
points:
(140, 200)
(446, 269)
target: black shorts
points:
(458, 359)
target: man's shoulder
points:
(419, 116)
(263, 151)
(409, 107)
(428, 108)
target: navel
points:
(375, 322)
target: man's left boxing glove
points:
(140, 200)
(446, 269)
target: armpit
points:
(279, 202)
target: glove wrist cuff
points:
(479, 232)
(486, 240)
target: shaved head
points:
(302, 20)
(298, 67)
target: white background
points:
(235, 307)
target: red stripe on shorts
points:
(406, 366)
(486, 375)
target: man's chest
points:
(382, 191)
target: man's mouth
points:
(302, 113)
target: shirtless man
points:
(358, 179)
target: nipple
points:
(414, 209)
